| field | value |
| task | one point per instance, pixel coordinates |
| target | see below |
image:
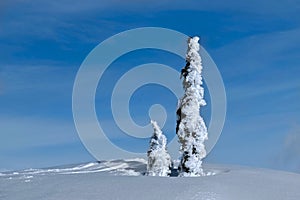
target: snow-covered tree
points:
(159, 160)
(191, 129)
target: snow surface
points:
(124, 179)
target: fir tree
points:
(191, 129)
(159, 160)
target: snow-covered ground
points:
(124, 179)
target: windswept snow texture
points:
(123, 179)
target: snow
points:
(124, 179)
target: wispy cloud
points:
(262, 86)
(22, 80)
(260, 65)
(261, 51)
(262, 7)
(42, 16)
(26, 88)
(20, 133)
(28, 141)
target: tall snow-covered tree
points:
(159, 160)
(191, 129)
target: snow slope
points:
(123, 179)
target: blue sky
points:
(255, 45)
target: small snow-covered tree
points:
(159, 160)
(191, 129)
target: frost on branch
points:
(159, 160)
(191, 129)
